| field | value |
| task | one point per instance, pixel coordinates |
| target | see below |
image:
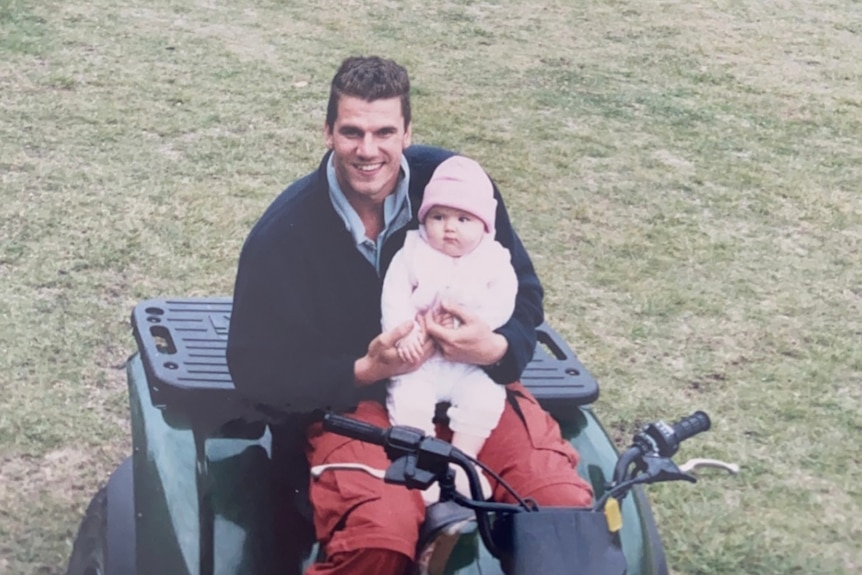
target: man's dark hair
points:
(369, 78)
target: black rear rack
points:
(182, 345)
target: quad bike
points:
(202, 491)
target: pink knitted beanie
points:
(461, 183)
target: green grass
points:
(687, 176)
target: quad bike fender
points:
(120, 531)
(167, 500)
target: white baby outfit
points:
(482, 282)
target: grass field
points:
(687, 176)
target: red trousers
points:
(367, 526)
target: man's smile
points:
(368, 167)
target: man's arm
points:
(520, 330)
(276, 353)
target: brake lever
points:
(693, 464)
(657, 469)
(403, 471)
(318, 470)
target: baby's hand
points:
(411, 346)
(446, 319)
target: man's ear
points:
(408, 135)
(327, 135)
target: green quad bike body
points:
(196, 496)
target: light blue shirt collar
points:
(396, 213)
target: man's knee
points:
(390, 521)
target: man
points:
(305, 330)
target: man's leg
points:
(291, 511)
(527, 450)
(363, 561)
(364, 525)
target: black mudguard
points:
(120, 537)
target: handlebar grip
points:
(354, 428)
(691, 425)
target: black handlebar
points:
(354, 428)
(664, 439)
(687, 427)
(661, 440)
(650, 453)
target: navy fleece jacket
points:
(307, 303)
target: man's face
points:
(367, 140)
(452, 231)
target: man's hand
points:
(383, 359)
(466, 340)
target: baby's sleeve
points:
(396, 305)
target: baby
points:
(453, 256)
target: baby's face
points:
(452, 231)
